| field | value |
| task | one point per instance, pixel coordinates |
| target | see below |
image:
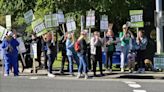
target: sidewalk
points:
(113, 75)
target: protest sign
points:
(3, 33)
(51, 20)
(38, 27)
(136, 18)
(21, 46)
(34, 50)
(104, 23)
(71, 25)
(61, 19)
(29, 16)
(8, 21)
(90, 19)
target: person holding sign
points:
(82, 54)
(9, 46)
(37, 40)
(125, 41)
(69, 52)
(141, 43)
(110, 42)
(96, 52)
(51, 53)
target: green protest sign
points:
(104, 23)
(38, 27)
(136, 18)
(90, 19)
(29, 16)
(3, 33)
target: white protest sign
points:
(82, 22)
(38, 27)
(21, 46)
(71, 25)
(51, 20)
(34, 50)
(3, 33)
(29, 16)
(104, 23)
(61, 19)
(90, 19)
(8, 21)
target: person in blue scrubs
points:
(9, 46)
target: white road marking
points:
(129, 82)
(134, 85)
(33, 78)
(139, 91)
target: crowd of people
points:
(80, 52)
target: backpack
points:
(77, 46)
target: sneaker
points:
(51, 75)
(143, 70)
(86, 76)
(5, 75)
(130, 71)
(139, 70)
(122, 70)
(78, 75)
(110, 70)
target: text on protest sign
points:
(104, 23)
(61, 19)
(90, 19)
(71, 25)
(136, 18)
(29, 16)
(38, 27)
(51, 20)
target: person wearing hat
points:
(125, 37)
(9, 46)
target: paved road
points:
(44, 84)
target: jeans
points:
(75, 57)
(83, 63)
(51, 58)
(45, 58)
(64, 59)
(70, 59)
(109, 56)
(124, 54)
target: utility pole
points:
(159, 28)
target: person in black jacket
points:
(64, 56)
